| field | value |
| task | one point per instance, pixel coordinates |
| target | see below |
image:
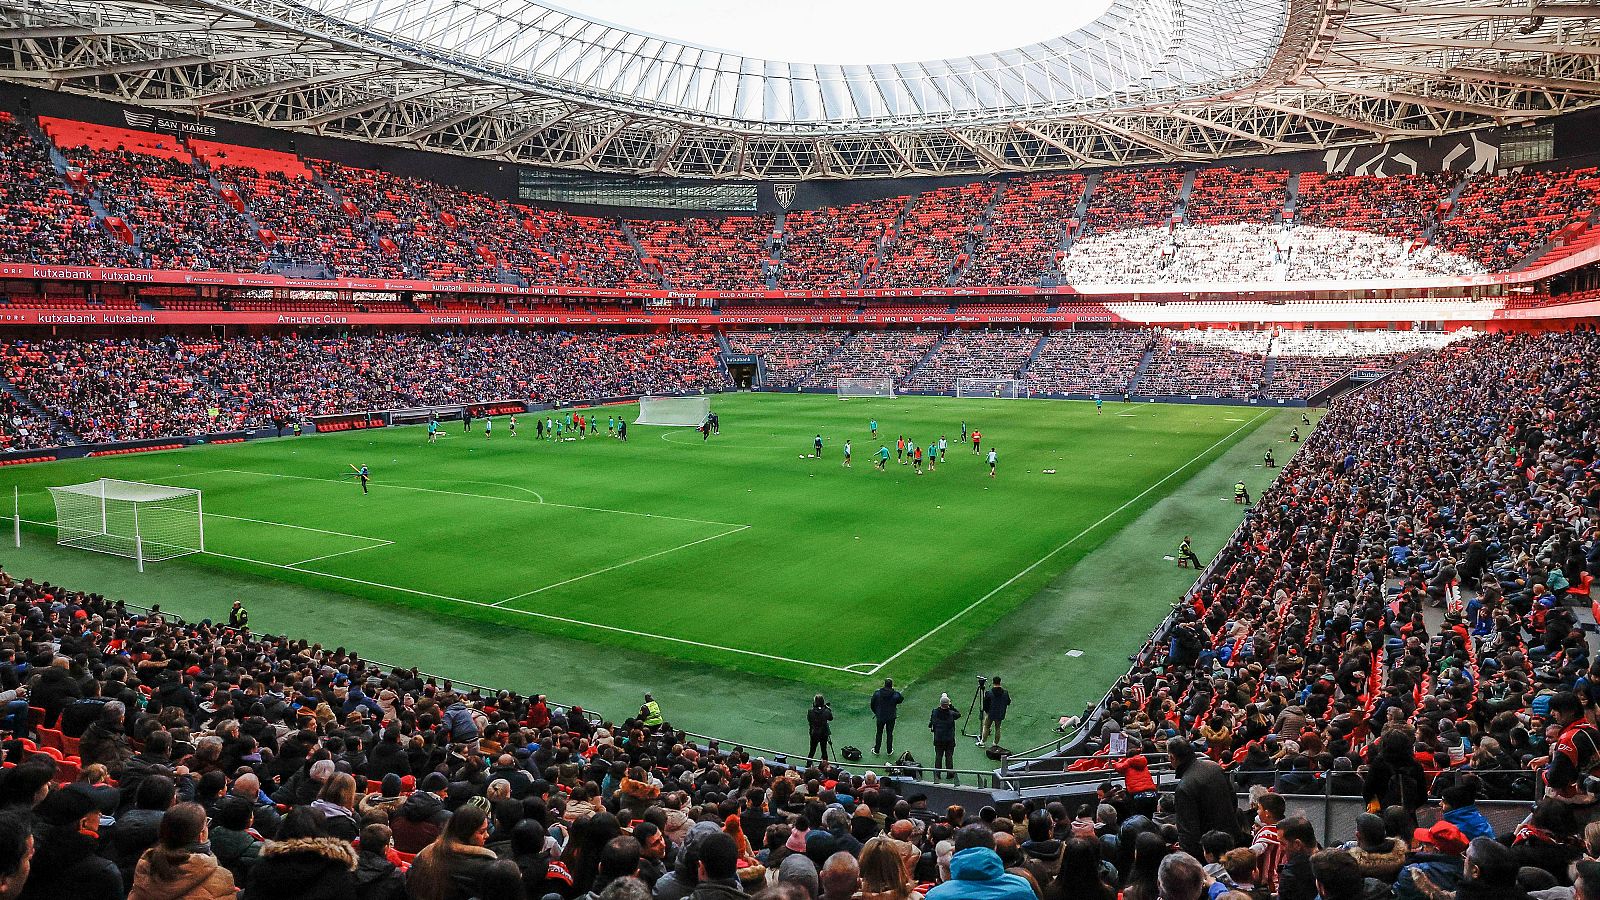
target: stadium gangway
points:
(588, 714)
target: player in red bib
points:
(977, 438)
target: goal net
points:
(689, 411)
(866, 387)
(993, 388)
(144, 522)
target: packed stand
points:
(307, 227)
(1499, 219)
(151, 182)
(931, 244)
(1206, 363)
(873, 354)
(788, 357)
(1025, 232)
(404, 212)
(1223, 196)
(974, 353)
(1306, 361)
(20, 428)
(728, 254)
(1088, 362)
(41, 221)
(830, 248)
(1138, 198)
(118, 390)
(575, 250)
(1392, 623)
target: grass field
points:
(734, 552)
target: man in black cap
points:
(65, 863)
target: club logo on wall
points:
(149, 120)
(784, 193)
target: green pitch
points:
(727, 551)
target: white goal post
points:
(144, 522)
(991, 388)
(673, 411)
(865, 387)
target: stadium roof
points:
(527, 82)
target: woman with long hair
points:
(1148, 852)
(1080, 874)
(453, 866)
(177, 868)
(337, 801)
(886, 872)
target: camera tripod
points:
(976, 704)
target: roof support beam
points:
(1482, 76)
(1476, 109)
(1274, 143)
(1542, 10)
(49, 32)
(275, 87)
(151, 65)
(1380, 131)
(1070, 151)
(1510, 46)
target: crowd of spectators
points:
(329, 219)
(728, 254)
(41, 221)
(129, 388)
(788, 357)
(172, 210)
(1392, 622)
(832, 247)
(1306, 361)
(1026, 231)
(1201, 362)
(975, 353)
(873, 354)
(118, 388)
(935, 237)
(1499, 219)
(1088, 362)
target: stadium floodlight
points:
(865, 387)
(990, 388)
(144, 522)
(673, 411)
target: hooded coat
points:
(199, 877)
(977, 873)
(305, 869)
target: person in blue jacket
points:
(976, 872)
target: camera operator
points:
(818, 718)
(995, 702)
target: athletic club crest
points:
(784, 193)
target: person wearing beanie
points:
(942, 722)
(799, 870)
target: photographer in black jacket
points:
(818, 718)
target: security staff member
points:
(1241, 494)
(1186, 551)
(650, 712)
(238, 617)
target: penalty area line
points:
(614, 629)
(612, 568)
(1064, 545)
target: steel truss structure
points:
(519, 81)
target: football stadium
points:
(1134, 450)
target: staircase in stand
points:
(1144, 366)
(975, 240)
(1180, 206)
(774, 260)
(1033, 357)
(1452, 197)
(1560, 247)
(912, 372)
(59, 431)
(638, 253)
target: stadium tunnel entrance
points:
(745, 371)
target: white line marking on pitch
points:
(359, 537)
(1069, 542)
(407, 487)
(538, 615)
(513, 487)
(344, 552)
(619, 565)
